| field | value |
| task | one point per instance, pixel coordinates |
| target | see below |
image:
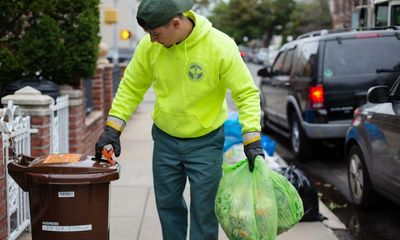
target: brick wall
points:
(40, 142)
(84, 130)
(122, 67)
(108, 88)
(76, 120)
(93, 130)
(342, 12)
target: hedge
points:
(57, 40)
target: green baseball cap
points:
(152, 14)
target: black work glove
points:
(252, 150)
(109, 136)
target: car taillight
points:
(316, 96)
(356, 117)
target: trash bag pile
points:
(307, 191)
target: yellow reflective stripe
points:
(114, 125)
(251, 140)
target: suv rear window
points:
(345, 57)
(395, 15)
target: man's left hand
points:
(252, 148)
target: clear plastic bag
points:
(245, 203)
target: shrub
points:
(56, 39)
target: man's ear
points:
(176, 23)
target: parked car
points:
(372, 147)
(260, 55)
(124, 55)
(317, 81)
(246, 53)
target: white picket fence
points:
(59, 126)
(16, 134)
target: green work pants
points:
(174, 161)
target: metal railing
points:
(16, 137)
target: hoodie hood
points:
(201, 28)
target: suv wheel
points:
(299, 141)
(360, 184)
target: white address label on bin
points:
(69, 194)
(75, 228)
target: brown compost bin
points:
(68, 195)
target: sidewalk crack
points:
(144, 212)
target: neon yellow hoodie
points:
(190, 82)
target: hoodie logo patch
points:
(195, 72)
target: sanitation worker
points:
(190, 65)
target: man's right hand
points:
(112, 131)
(109, 136)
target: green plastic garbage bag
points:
(245, 204)
(288, 201)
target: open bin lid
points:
(64, 169)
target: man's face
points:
(165, 35)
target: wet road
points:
(328, 172)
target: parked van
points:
(378, 13)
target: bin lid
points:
(70, 169)
(69, 164)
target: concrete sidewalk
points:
(133, 211)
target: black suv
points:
(318, 80)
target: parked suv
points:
(317, 81)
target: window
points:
(306, 60)
(360, 56)
(287, 64)
(283, 63)
(381, 13)
(395, 15)
(277, 69)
